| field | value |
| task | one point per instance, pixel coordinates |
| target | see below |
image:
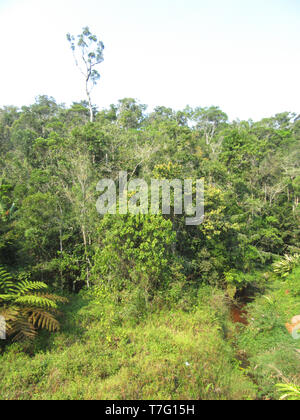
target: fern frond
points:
(54, 298)
(6, 283)
(26, 286)
(46, 320)
(22, 329)
(4, 274)
(6, 298)
(25, 308)
(9, 313)
(34, 300)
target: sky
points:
(240, 55)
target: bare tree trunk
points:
(90, 102)
(61, 257)
(86, 256)
(61, 247)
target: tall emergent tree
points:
(88, 53)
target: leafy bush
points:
(135, 250)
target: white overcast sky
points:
(241, 55)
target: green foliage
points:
(287, 264)
(25, 308)
(54, 158)
(149, 271)
(101, 353)
(290, 392)
(240, 281)
(272, 352)
(135, 250)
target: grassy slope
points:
(273, 354)
(99, 354)
(111, 351)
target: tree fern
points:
(26, 307)
(28, 286)
(6, 283)
(33, 300)
(43, 319)
(22, 329)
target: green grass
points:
(273, 354)
(102, 354)
(181, 345)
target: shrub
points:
(135, 250)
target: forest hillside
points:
(143, 306)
